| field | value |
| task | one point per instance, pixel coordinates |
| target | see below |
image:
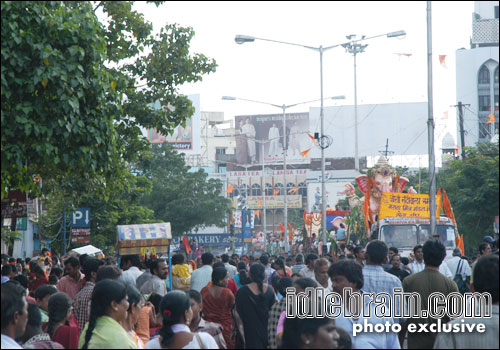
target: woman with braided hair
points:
(58, 327)
(253, 303)
(108, 308)
(175, 307)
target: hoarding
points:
(334, 193)
(273, 202)
(185, 139)
(211, 239)
(268, 129)
(406, 205)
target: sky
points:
(284, 74)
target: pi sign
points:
(81, 218)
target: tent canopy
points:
(89, 250)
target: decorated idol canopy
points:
(146, 239)
(88, 249)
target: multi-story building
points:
(477, 76)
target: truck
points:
(406, 233)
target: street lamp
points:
(355, 47)
(241, 39)
(283, 108)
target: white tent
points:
(89, 250)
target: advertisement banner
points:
(144, 231)
(334, 193)
(246, 227)
(211, 239)
(185, 139)
(405, 205)
(238, 219)
(14, 211)
(274, 202)
(80, 235)
(268, 128)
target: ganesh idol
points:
(379, 179)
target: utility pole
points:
(461, 122)
(386, 152)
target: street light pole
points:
(285, 185)
(264, 196)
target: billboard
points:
(334, 192)
(268, 129)
(184, 139)
(272, 202)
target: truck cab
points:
(406, 233)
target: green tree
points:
(57, 101)
(185, 199)
(472, 187)
(76, 92)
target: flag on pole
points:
(312, 138)
(282, 228)
(257, 213)
(230, 189)
(276, 192)
(492, 118)
(442, 61)
(293, 190)
(259, 203)
(305, 154)
(185, 243)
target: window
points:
(220, 150)
(222, 169)
(245, 190)
(484, 103)
(255, 190)
(484, 75)
(302, 189)
(269, 189)
(496, 12)
(279, 187)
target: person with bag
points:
(462, 271)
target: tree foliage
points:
(57, 101)
(472, 187)
(76, 91)
(187, 200)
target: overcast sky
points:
(283, 74)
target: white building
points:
(477, 76)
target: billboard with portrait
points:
(185, 139)
(252, 130)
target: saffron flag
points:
(460, 244)
(276, 192)
(282, 228)
(305, 154)
(293, 190)
(230, 189)
(259, 203)
(442, 61)
(439, 203)
(186, 245)
(257, 213)
(492, 118)
(403, 54)
(312, 138)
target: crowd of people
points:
(234, 302)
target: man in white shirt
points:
(418, 265)
(14, 314)
(231, 270)
(202, 276)
(130, 266)
(308, 271)
(464, 269)
(264, 259)
(321, 274)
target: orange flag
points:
(439, 203)
(460, 244)
(312, 138)
(257, 213)
(276, 192)
(305, 154)
(282, 228)
(186, 245)
(403, 54)
(230, 189)
(259, 203)
(289, 227)
(293, 190)
(442, 61)
(492, 118)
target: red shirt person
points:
(74, 280)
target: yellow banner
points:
(406, 205)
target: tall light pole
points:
(354, 47)
(241, 39)
(285, 185)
